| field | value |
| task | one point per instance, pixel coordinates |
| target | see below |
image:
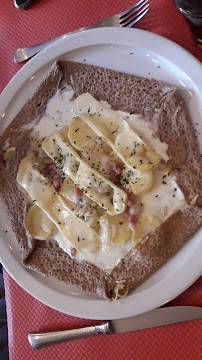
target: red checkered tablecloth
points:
(44, 20)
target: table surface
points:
(44, 20)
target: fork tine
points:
(129, 25)
(131, 8)
(130, 13)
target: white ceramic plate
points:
(136, 52)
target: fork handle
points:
(22, 54)
(40, 340)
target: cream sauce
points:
(58, 113)
(161, 200)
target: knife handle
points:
(40, 340)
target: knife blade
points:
(158, 317)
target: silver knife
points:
(158, 317)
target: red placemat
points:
(50, 18)
(174, 342)
(47, 19)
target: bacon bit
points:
(53, 167)
(133, 210)
(116, 168)
(47, 170)
(131, 200)
(77, 192)
(56, 182)
(125, 214)
(129, 203)
(132, 221)
(59, 172)
(2, 160)
(73, 251)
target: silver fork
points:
(127, 18)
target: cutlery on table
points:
(127, 18)
(23, 4)
(154, 318)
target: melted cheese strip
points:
(80, 133)
(121, 232)
(92, 183)
(115, 130)
(134, 181)
(83, 238)
(93, 149)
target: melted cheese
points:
(38, 224)
(44, 195)
(115, 130)
(145, 225)
(134, 181)
(92, 183)
(158, 203)
(80, 133)
(164, 198)
(58, 112)
(114, 230)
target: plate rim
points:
(38, 62)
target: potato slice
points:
(38, 224)
(123, 232)
(114, 230)
(136, 182)
(9, 153)
(144, 226)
